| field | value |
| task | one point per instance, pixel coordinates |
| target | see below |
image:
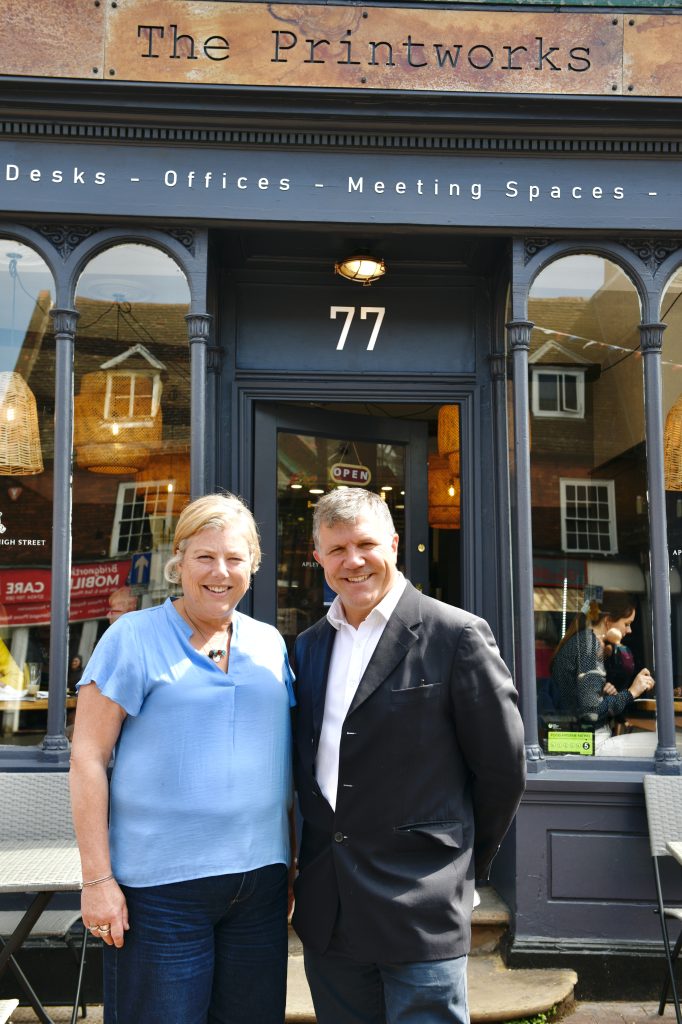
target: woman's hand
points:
(105, 904)
(609, 690)
(642, 683)
(613, 636)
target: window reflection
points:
(27, 361)
(671, 314)
(131, 435)
(590, 525)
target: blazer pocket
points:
(422, 691)
(449, 833)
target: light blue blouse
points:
(201, 783)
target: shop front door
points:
(302, 453)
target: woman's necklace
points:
(215, 653)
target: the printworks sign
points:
(323, 46)
(463, 189)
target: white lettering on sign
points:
(347, 473)
(378, 311)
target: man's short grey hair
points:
(345, 505)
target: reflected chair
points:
(663, 796)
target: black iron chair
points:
(663, 795)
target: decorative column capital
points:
(215, 359)
(651, 337)
(64, 320)
(498, 365)
(198, 327)
(519, 334)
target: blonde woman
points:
(186, 881)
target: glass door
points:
(300, 454)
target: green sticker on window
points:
(570, 742)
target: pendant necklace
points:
(215, 653)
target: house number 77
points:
(365, 311)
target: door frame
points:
(382, 390)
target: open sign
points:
(346, 473)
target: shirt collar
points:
(336, 615)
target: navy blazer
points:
(431, 771)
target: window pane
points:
(27, 365)
(671, 314)
(590, 532)
(131, 436)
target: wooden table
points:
(642, 714)
(31, 704)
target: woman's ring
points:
(104, 928)
(94, 928)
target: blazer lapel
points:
(320, 653)
(397, 638)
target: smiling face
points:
(359, 562)
(214, 574)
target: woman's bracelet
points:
(96, 881)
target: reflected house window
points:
(588, 517)
(558, 392)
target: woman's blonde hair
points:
(213, 511)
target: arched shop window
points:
(131, 453)
(589, 511)
(671, 315)
(27, 377)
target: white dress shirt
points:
(351, 653)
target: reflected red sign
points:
(25, 593)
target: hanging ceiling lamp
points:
(361, 268)
(443, 494)
(117, 414)
(20, 451)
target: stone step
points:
(489, 922)
(496, 993)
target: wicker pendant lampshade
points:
(117, 414)
(672, 447)
(169, 467)
(444, 494)
(20, 451)
(448, 430)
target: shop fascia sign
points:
(345, 47)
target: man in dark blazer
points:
(409, 766)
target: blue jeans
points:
(205, 951)
(346, 991)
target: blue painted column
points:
(64, 321)
(667, 758)
(519, 332)
(198, 327)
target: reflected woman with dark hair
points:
(579, 666)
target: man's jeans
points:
(348, 992)
(205, 951)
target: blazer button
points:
(339, 837)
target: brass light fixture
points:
(361, 268)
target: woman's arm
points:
(98, 724)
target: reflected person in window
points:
(582, 660)
(187, 883)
